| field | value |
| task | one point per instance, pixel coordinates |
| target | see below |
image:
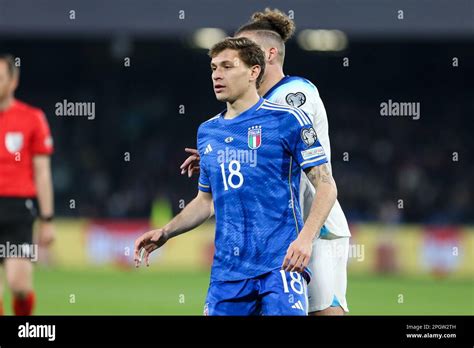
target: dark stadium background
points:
(138, 111)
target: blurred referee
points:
(25, 173)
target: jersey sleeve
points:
(204, 184)
(300, 139)
(42, 142)
(304, 95)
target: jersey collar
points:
(242, 115)
(275, 86)
(11, 107)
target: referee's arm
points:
(44, 188)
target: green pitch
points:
(145, 292)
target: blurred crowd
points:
(386, 168)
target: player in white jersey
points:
(327, 289)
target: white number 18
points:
(233, 172)
(295, 280)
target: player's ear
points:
(272, 54)
(255, 72)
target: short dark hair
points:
(13, 70)
(249, 52)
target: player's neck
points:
(6, 103)
(271, 79)
(241, 104)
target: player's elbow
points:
(204, 201)
(212, 210)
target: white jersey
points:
(301, 93)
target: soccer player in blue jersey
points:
(327, 290)
(252, 155)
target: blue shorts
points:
(274, 293)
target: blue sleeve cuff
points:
(314, 162)
(204, 188)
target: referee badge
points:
(14, 141)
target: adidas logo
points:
(208, 149)
(298, 305)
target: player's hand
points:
(191, 164)
(298, 255)
(46, 233)
(148, 242)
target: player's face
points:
(7, 82)
(231, 77)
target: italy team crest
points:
(255, 137)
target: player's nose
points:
(216, 76)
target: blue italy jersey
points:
(252, 165)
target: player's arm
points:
(44, 185)
(326, 195)
(299, 252)
(301, 141)
(194, 214)
(42, 148)
(44, 188)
